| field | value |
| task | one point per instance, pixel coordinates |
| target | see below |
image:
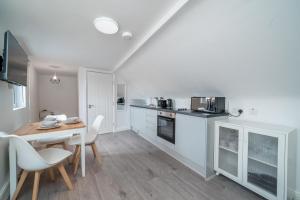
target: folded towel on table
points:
(72, 120)
(49, 124)
(50, 118)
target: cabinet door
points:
(229, 150)
(133, 119)
(151, 123)
(264, 163)
(190, 138)
(140, 120)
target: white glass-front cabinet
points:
(258, 156)
(228, 151)
(264, 162)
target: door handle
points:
(90, 106)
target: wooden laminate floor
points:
(134, 169)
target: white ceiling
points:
(62, 32)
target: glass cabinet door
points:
(263, 157)
(228, 158)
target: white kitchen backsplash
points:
(178, 102)
(138, 102)
(182, 103)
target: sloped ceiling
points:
(62, 32)
(212, 47)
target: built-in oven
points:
(166, 126)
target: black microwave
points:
(208, 104)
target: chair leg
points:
(65, 176)
(64, 146)
(77, 159)
(20, 173)
(36, 183)
(75, 153)
(51, 174)
(20, 184)
(96, 153)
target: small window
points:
(19, 97)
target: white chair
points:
(30, 160)
(50, 142)
(90, 139)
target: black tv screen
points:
(15, 61)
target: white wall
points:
(62, 98)
(10, 120)
(82, 94)
(32, 90)
(247, 51)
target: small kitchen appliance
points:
(169, 103)
(162, 103)
(208, 104)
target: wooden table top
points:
(33, 128)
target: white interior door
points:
(100, 99)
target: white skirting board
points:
(4, 191)
(119, 129)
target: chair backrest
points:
(4, 135)
(27, 157)
(97, 123)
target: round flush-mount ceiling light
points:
(106, 25)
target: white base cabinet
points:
(151, 124)
(138, 123)
(191, 138)
(194, 141)
(144, 122)
(229, 151)
(194, 138)
(259, 156)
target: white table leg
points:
(82, 133)
(12, 169)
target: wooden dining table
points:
(32, 132)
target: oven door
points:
(166, 128)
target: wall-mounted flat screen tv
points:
(15, 61)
